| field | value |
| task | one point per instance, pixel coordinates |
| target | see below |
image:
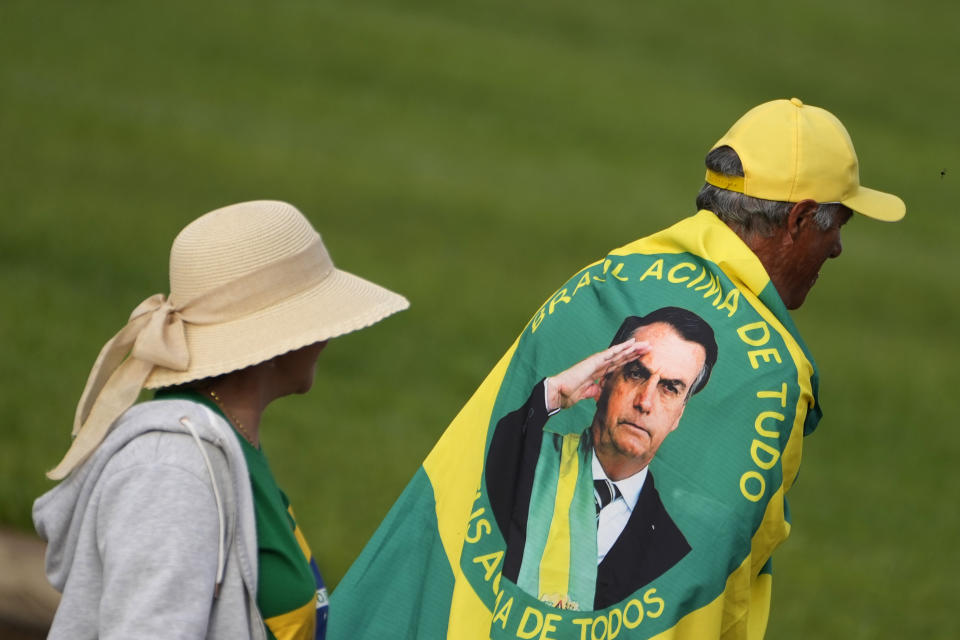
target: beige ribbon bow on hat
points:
(155, 336)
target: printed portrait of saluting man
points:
(656, 363)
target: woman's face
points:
(295, 369)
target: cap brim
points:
(876, 204)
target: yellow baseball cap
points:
(791, 152)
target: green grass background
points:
(473, 155)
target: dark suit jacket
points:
(650, 543)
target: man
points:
(655, 364)
(780, 184)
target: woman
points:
(168, 522)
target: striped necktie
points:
(604, 492)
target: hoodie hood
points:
(60, 514)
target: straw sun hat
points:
(248, 282)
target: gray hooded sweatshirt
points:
(154, 535)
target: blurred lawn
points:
(472, 156)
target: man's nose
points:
(837, 248)
(643, 400)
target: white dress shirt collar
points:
(629, 487)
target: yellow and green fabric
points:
(433, 568)
(291, 593)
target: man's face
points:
(811, 248)
(642, 401)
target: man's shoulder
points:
(650, 504)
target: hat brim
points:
(338, 305)
(876, 204)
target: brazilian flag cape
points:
(433, 569)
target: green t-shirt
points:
(291, 594)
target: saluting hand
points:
(582, 380)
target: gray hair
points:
(751, 214)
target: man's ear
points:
(800, 216)
(677, 423)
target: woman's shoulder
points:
(166, 433)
